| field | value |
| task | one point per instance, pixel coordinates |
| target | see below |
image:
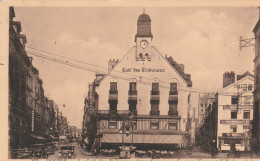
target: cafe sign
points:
(234, 107)
(234, 121)
(233, 135)
(143, 70)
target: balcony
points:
(173, 98)
(113, 95)
(132, 93)
(132, 96)
(155, 95)
(173, 113)
(123, 112)
(173, 92)
(114, 113)
(154, 113)
(133, 112)
(155, 92)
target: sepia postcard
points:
(96, 80)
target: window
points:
(246, 115)
(233, 115)
(244, 87)
(112, 124)
(173, 89)
(155, 106)
(233, 128)
(234, 100)
(155, 88)
(173, 126)
(154, 125)
(250, 87)
(247, 100)
(173, 108)
(132, 88)
(113, 86)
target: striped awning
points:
(139, 138)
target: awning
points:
(37, 137)
(139, 138)
(145, 132)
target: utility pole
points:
(246, 42)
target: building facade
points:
(235, 112)
(30, 113)
(228, 116)
(144, 100)
(256, 131)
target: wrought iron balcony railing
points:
(155, 92)
(173, 113)
(154, 113)
(132, 92)
(173, 92)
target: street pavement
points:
(77, 151)
(81, 154)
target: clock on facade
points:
(143, 44)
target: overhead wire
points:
(102, 72)
(137, 76)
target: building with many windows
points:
(31, 114)
(228, 118)
(144, 100)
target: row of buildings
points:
(144, 100)
(33, 118)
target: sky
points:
(204, 39)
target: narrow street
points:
(77, 151)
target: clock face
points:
(143, 44)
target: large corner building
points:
(144, 100)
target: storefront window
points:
(154, 125)
(112, 125)
(227, 141)
(173, 126)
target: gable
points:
(230, 88)
(145, 71)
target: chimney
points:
(182, 66)
(228, 78)
(17, 27)
(23, 40)
(111, 64)
(30, 58)
(11, 14)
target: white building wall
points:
(224, 99)
(143, 104)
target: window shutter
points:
(155, 86)
(113, 86)
(173, 87)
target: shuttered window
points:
(155, 107)
(132, 86)
(113, 86)
(173, 87)
(155, 86)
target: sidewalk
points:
(84, 152)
